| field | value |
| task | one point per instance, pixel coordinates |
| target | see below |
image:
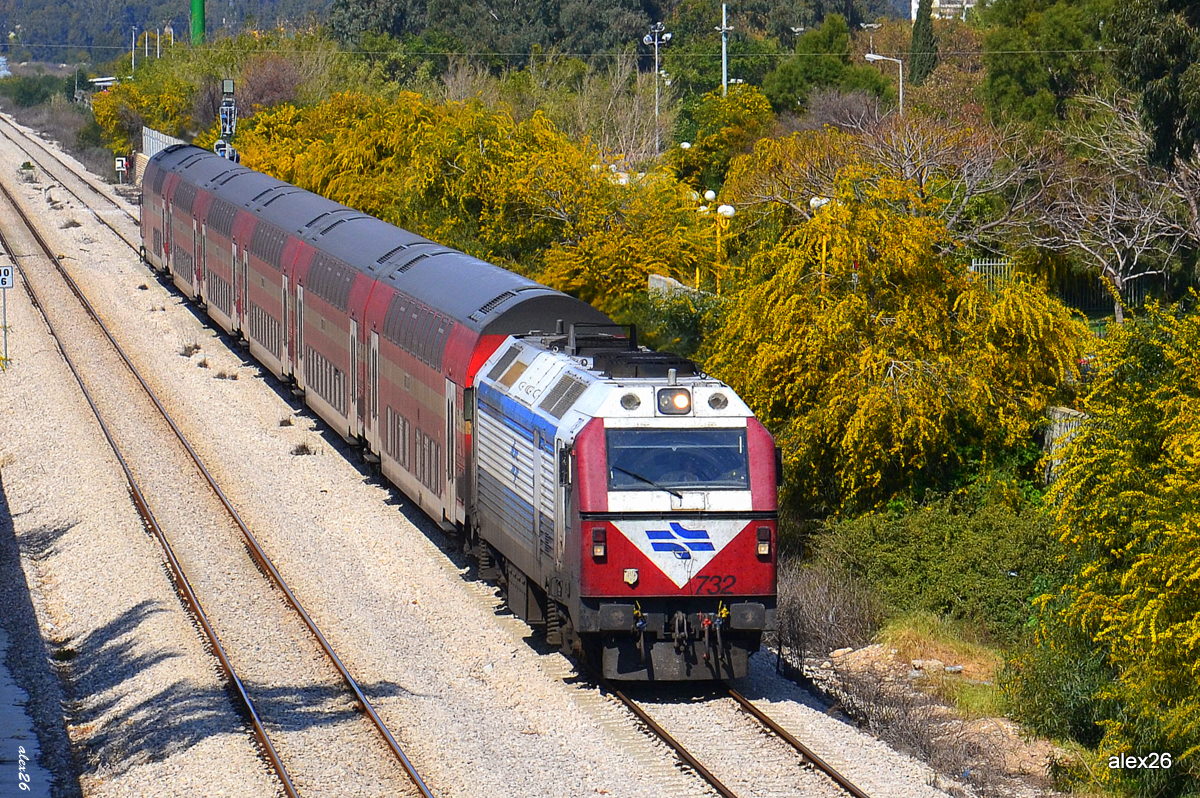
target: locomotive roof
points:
(480, 295)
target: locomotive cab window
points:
(691, 459)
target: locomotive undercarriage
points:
(658, 639)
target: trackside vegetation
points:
(901, 299)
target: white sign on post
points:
(6, 276)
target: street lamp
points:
(871, 27)
(796, 31)
(877, 57)
(657, 36)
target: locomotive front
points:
(665, 485)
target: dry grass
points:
(927, 636)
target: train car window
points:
(677, 459)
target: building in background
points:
(944, 9)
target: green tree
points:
(822, 59)
(922, 56)
(1037, 56)
(1158, 55)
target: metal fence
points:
(993, 270)
(154, 142)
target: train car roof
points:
(480, 295)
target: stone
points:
(841, 652)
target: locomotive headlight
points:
(630, 401)
(674, 401)
(718, 401)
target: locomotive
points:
(624, 502)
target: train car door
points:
(285, 339)
(372, 420)
(354, 406)
(239, 320)
(166, 235)
(298, 364)
(202, 255)
(451, 501)
(196, 284)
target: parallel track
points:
(19, 138)
(180, 576)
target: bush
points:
(821, 609)
(30, 90)
(980, 556)
(1051, 686)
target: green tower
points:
(197, 21)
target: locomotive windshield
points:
(669, 459)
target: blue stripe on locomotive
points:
(517, 417)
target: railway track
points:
(78, 185)
(843, 785)
(255, 628)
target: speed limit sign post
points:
(6, 282)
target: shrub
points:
(980, 556)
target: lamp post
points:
(877, 57)
(871, 27)
(796, 31)
(724, 214)
(658, 35)
(724, 31)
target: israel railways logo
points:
(682, 542)
(681, 549)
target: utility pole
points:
(133, 50)
(724, 29)
(657, 36)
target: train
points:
(623, 501)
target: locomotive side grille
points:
(263, 328)
(504, 362)
(326, 379)
(504, 472)
(563, 395)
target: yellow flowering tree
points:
(1128, 510)
(883, 366)
(517, 193)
